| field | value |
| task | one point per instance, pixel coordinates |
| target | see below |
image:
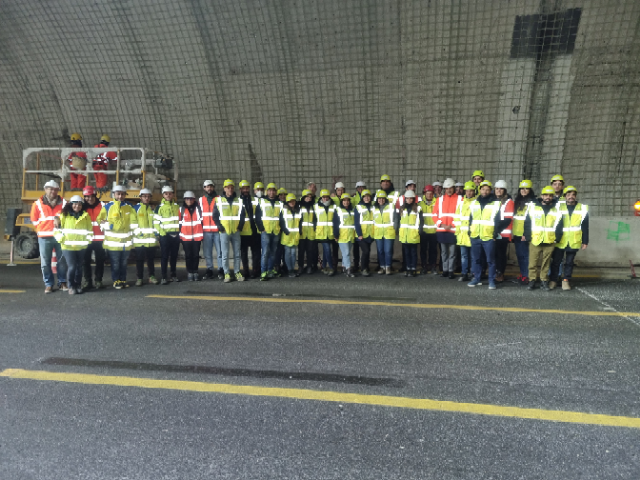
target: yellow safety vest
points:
(144, 233)
(167, 218)
(410, 226)
(572, 227)
(230, 213)
(543, 227)
(383, 222)
(271, 215)
(366, 220)
(429, 217)
(483, 219)
(292, 220)
(117, 218)
(347, 225)
(74, 233)
(463, 213)
(519, 218)
(308, 232)
(324, 224)
(246, 229)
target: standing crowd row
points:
(475, 221)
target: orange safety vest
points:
(506, 211)
(42, 216)
(191, 229)
(94, 211)
(445, 211)
(208, 225)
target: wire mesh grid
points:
(334, 90)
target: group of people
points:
(472, 223)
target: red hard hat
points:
(88, 190)
(428, 188)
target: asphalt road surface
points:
(319, 378)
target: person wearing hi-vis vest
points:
(267, 220)
(191, 234)
(364, 229)
(211, 238)
(307, 233)
(230, 216)
(324, 211)
(291, 226)
(383, 231)
(116, 218)
(145, 238)
(503, 237)
(542, 229)
(344, 231)
(249, 232)
(408, 223)
(93, 206)
(167, 223)
(463, 239)
(575, 237)
(445, 211)
(428, 237)
(521, 204)
(485, 222)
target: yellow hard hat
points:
(365, 192)
(105, 138)
(469, 185)
(291, 196)
(282, 190)
(272, 185)
(556, 178)
(381, 194)
(306, 192)
(76, 137)
(325, 193)
(345, 195)
(548, 190)
(385, 177)
(485, 183)
(570, 189)
(244, 183)
(478, 173)
(525, 184)
(258, 185)
(228, 182)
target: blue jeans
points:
(489, 248)
(327, 261)
(290, 257)
(410, 252)
(467, 259)
(75, 260)
(118, 264)
(345, 248)
(522, 252)
(385, 252)
(47, 246)
(211, 242)
(270, 243)
(225, 240)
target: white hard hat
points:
(76, 198)
(448, 183)
(409, 194)
(339, 185)
(189, 194)
(410, 182)
(51, 184)
(208, 182)
(436, 184)
(119, 188)
(145, 191)
(500, 184)
(459, 184)
(166, 189)
(360, 183)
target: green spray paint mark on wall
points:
(619, 231)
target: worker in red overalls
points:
(77, 161)
(101, 162)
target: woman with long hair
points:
(525, 196)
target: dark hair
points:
(67, 209)
(521, 201)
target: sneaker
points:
(566, 285)
(464, 278)
(330, 272)
(174, 278)
(500, 278)
(407, 273)
(381, 271)
(86, 284)
(531, 285)
(552, 285)
(240, 277)
(274, 273)
(435, 271)
(63, 287)
(98, 284)
(271, 274)
(117, 285)
(139, 282)
(190, 277)
(164, 281)
(153, 280)
(309, 271)
(264, 277)
(196, 277)
(349, 273)
(227, 278)
(79, 291)
(492, 286)
(124, 284)
(208, 275)
(452, 276)
(473, 283)
(445, 274)
(387, 271)
(72, 291)
(365, 273)
(220, 274)
(414, 273)
(292, 275)
(524, 281)
(48, 290)
(544, 286)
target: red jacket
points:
(94, 211)
(445, 212)
(42, 216)
(101, 162)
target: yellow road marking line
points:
(4, 290)
(328, 396)
(474, 308)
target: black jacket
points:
(258, 216)
(547, 208)
(369, 206)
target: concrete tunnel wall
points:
(329, 90)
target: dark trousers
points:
(334, 254)
(191, 255)
(569, 255)
(501, 255)
(428, 249)
(147, 254)
(100, 256)
(305, 249)
(74, 259)
(315, 256)
(250, 242)
(356, 255)
(169, 247)
(280, 263)
(365, 248)
(410, 253)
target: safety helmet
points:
(324, 193)
(345, 195)
(448, 183)
(478, 173)
(410, 182)
(282, 190)
(428, 188)
(365, 192)
(306, 192)
(272, 185)
(469, 185)
(410, 194)
(166, 189)
(525, 184)
(570, 188)
(360, 183)
(485, 183)
(548, 190)
(339, 185)
(228, 182)
(501, 184)
(385, 177)
(76, 137)
(556, 178)
(258, 185)
(436, 184)
(244, 183)
(51, 184)
(207, 183)
(145, 191)
(76, 199)
(105, 138)
(381, 194)
(120, 188)
(291, 196)
(459, 184)
(88, 190)
(188, 194)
